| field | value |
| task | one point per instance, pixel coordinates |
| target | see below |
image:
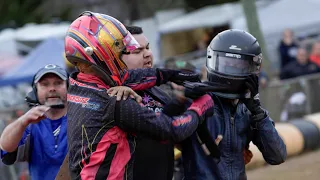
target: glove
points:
(253, 102)
(176, 107)
(195, 90)
(203, 106)
(178, 77)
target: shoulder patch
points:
(84, 101)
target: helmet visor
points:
(130, 42)
(233, 64)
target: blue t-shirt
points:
(55, 124)
(46, 152)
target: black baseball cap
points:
(51, 68)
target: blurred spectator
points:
(17, 113)
(287, 48)
(302, 66)
(205, 40)
(315, 53)
(263, 79)
(172, 63)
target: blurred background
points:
(179, 31)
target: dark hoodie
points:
(284, 51)
(154, 160)
(295, 69)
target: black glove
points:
(176, 107)
(178, 77)
(253, 102)
(195, 90)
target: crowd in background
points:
(296, 59)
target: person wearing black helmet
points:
(233, 61)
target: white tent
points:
(180, 35)
(39, 32)
(150, 28)
(7, 42)
(208, 16)
(302, 16)
(13, 40)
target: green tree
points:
(196, 4)
(20, 12)
(250, 11)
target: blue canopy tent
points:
(49, 51)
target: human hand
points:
(247, 155)
(34, 115)
(122, 92)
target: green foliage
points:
(196, 4)
(20, 12)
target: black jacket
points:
(294, 69)
(154, 160)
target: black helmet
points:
(232, 56)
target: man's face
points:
(288, 36)
(302, 56)
(51, 89)
(316, 48)
(141, 57)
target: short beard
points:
(59, 104)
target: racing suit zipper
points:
(232, 133)
(232, 140)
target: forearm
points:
(176, 128)
(176, 108)
(167, 128)
(267, 139)
(134, 119)
(141, 79)
(11, 136)
(265, 136)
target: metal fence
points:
(292, 98)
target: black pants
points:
(153, 160)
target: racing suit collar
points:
(92, 79)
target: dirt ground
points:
(303, 167)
